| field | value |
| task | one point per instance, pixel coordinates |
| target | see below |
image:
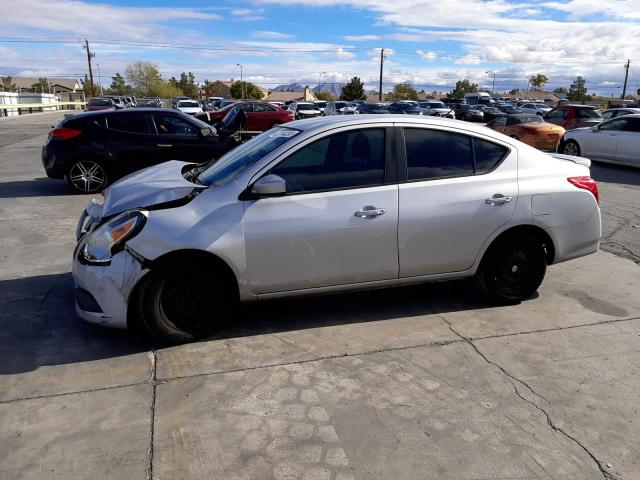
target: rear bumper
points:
(578, 239)
(51, 163)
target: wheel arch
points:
(527, 230)
(198, 258)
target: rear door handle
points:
(164, 145)
(498, 199)
(370, 211)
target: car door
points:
(603, 141)
(262, 117)
(455, 191)
(179, 139)
(628, 150)
(336, 225)
(130, 139)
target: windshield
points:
(321, 104)
(239, 159)
(142, 103)
(407, 106)
(530, 119)
(305, 106)
(184, 103)
(588, 113)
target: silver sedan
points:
(325, 205)
(614, 141)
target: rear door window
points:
(487, 155)
(435, 154)
(129, 122)
(633, 125)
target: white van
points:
(478, 98)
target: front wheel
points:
(571, 148)
(178, 305)
(513, 268)
(87, 176)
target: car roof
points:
(635, 109)
(324, 123)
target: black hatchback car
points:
(91, 150)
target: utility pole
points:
(493, 87)
(381, 65)
(626, 77)
(241, 81)
(100, 80)
(90, 55)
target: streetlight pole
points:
(319, 78)
(241, 81)
(493, 87)
(100, 80)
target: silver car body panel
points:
(312, 243)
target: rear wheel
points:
(179, 305)
(513, 268)
(87, 176)
(571, 148)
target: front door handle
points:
(370, 211)
(164, 145)
(498, 199)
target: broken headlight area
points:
(109, 238)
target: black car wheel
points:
(571, 148)
(87, 176)
(178, 305)
(513, 268)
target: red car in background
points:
(261, 116)
(96, 104)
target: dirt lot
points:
(425, 382)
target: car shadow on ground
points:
(39, 326)
(603, 172)
(38, 187)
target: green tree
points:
(42, 85)
(119, 86)
(354, 90)
(213, 89)
(561, 90)
(402, 91)
(463, 87)
(326, 96)
(144, 77)
(578, 90)
(514, 91)
(164, 89)
(87, 87)
(249, 89)
(7, 84)
(537, 81)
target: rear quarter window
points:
(488, 155)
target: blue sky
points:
(428, 43)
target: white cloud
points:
(96, 20)
(427, 55)
(469, 60)
(248, 14)
(342, 54)
(361, 38)
(270, 34)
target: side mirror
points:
(205, 132)
(595, 128)
(269, 186)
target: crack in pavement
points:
(602, 466)
(153, 380)
(152, 410)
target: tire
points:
(512, 269)
(571, 147)
(87, 176)
(179, 305)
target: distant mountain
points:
(334, 89)
(292, 87)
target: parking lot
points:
(415, 382)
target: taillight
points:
(586, 183)
(64, 133)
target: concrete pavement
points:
(410, 383)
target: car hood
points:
(190, 109)
(145, 188)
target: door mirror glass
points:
(269, 186)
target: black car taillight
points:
(62, 133)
